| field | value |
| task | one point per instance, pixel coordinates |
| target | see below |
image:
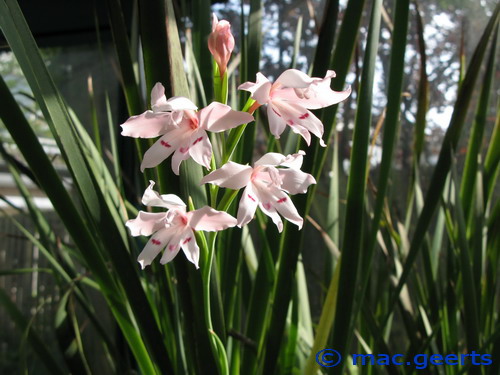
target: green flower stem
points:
(207, 251)
(220, 85)
(235, 135)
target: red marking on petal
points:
(267, 206)
(281, 200)
(275, 111)
(252, 198)
(197, 140)
(290, 122)
(165, 144)
(155, 242)
(184, 149)
(305, 115)
(186, 240)
(171, 247)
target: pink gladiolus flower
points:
(173, 230)
(266, 185)
(221, 43)
(183, 131)
(289, 99)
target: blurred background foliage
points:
(78, 49)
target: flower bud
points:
(221, 43)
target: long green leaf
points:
(476, 136)
(353, 226)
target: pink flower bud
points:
(221, 43)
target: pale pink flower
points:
(289, 99)
(173, 230)
(221, 43)
(183, 131)
(266, 185)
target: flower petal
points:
(159, 103)
(215, 21)
(201, 148)
(309, 121)
(276, 122)
(210, 220)
(260, 89)
(231, 175)
(300, 130)
(218, 117)
(296, 115)
(294, 181)
(158, 98)
(248, 204)
(293, 160)
(279, 160)
(182, 153)
(294, 78)
(271, 158)
(155, 244)
(190, 247)
(147, 125)
(172, 248)
(163, 148)
(272, 198)
(146, 223)
(317, 95)
(270, 211)
(151, 198)
(284, 205)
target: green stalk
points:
(220, 85)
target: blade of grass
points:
(326, 37)
(423, 89)
(470, 300)
(325, 322)
(476, 135)
(492, 160)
